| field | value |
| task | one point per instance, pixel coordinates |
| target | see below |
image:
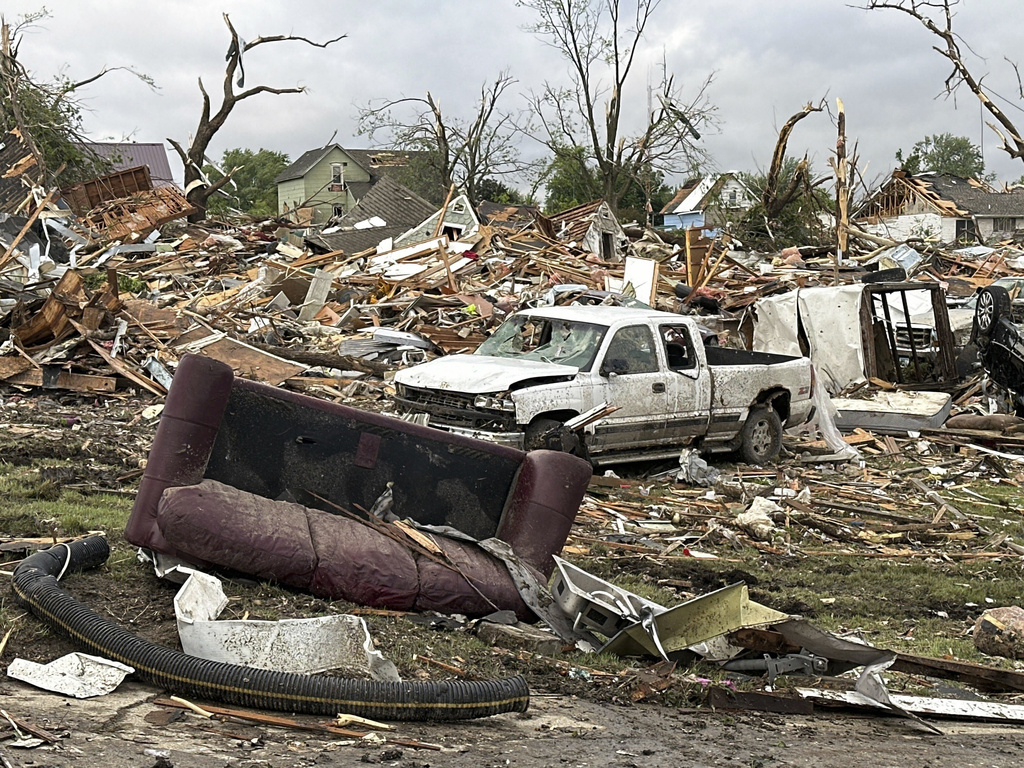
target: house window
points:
(607, 246)
(337, 173)
(733, 198)
(1004, 224)
(339, 211)
(965, 230)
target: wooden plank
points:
(979, 675)
(721, 698)
(76, 382)
(246, 361)
(288, 722)
(13, 366)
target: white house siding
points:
(919, 225)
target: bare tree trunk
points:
(842, 193)
(772, 198)
(194, 157)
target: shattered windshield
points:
(546, 341)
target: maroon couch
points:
(254, 478)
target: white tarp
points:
(76, 674)
(775, 325)
(340, 641)
(831, 320)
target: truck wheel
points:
(761, 435)
(993, 303)
(553, 435)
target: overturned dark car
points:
(999, 342)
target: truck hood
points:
(478, 374)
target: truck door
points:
(632, 378)
(689, 396)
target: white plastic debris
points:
(694, 470)
(78, 675)
(304, 646)
(757, 519)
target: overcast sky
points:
(768, 59)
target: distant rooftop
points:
(130, 154)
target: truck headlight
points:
(494, 403)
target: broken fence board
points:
(722, 698)
(76, 382)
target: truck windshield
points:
(546, 340)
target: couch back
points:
(285, 446)
(291, 447)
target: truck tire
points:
(553, 435)
(993, 303)
(761, 435)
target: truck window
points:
(678, 347)
(634, 345)
(545, 340)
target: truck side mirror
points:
(615, 366)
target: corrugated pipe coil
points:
(35, 584)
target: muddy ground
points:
(116, 732)
(575, 718)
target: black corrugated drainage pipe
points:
(35, 583)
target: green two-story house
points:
(330, 180)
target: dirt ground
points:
(573, 720)
(116, 732)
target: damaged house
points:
(940, 207)
(327, 182)
(592, 227)
(387, 211)
(129, 155)
(711, 201)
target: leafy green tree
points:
(423, 173)
(251, 188)
(798, 221)
(499, 192)
(572, 179)
(48, 113)
(947, 154)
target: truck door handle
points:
(658, 386)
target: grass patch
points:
(34, 506)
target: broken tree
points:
(197, 187)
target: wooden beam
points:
(76, 382)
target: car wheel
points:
(993, 303)
(761, 435)
(553, 435)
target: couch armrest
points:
(542, 505)
(183, 442)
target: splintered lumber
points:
(9, 253)
(286, 722)
(76, 382)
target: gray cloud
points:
(769, 59)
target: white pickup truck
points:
(543, 367)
